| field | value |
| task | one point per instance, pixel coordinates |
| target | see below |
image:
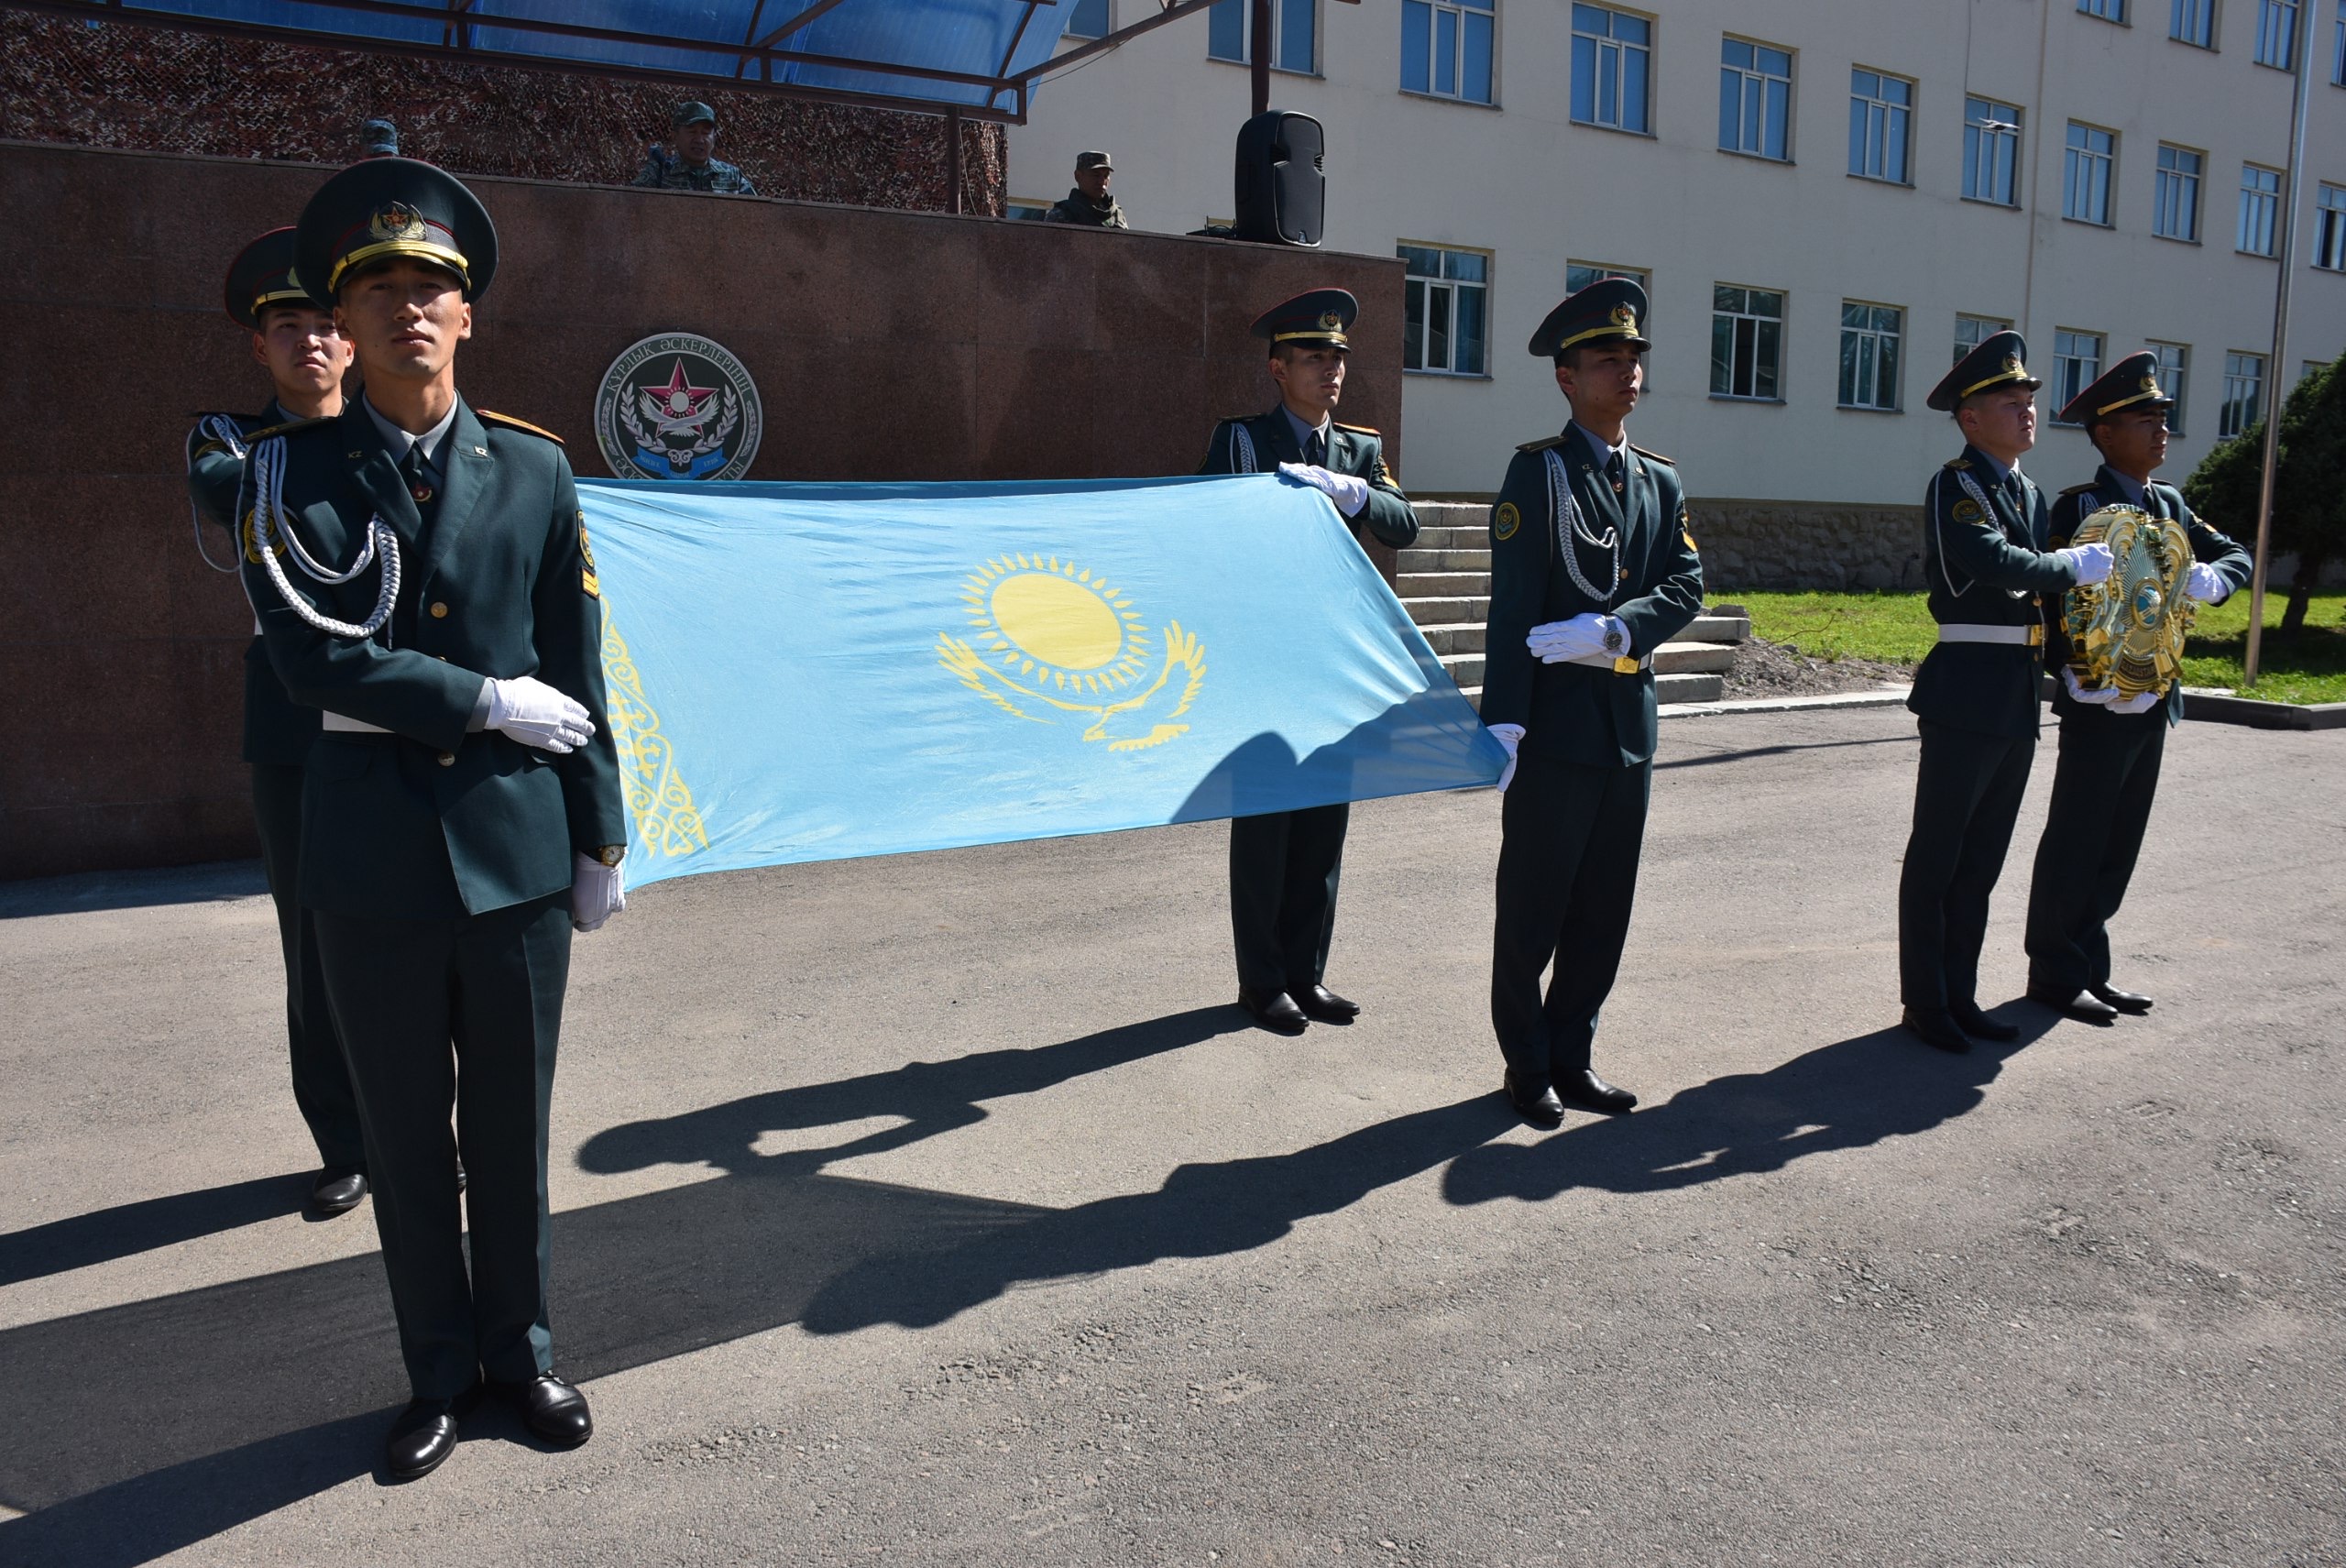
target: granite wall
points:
(1807, 544)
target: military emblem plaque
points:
(2126, 631)
(678, 406)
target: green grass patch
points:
(1897, 629)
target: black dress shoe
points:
(2082, 1005)
(1933, 1026)
(1542, 1108)
(337, 1191)
(552, 1410)
(1590, 1093)
(423, 1434)
(1275, 1011)
(2124, 1001)
(1978, 1025)
(1319, 1001)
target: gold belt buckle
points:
(1625, 666)
(2036, 635)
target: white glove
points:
(2079, 694)
(1581, 637)
(2207, 585)
(536, 715)
(2092, 561)
(1509, 736)
(597, 892)
(2139, 702)
(1348, 491)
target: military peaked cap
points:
(389, 207)
(1320, 317)
(2133, 382)
(1611, 310)
(262, 275)
(2001, 359)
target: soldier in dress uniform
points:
(687, 161)
(1284, 866)
(424, 578)
(1593, 567)
(296, 343)
(2108, 766)
(1986, 559)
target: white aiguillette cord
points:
(222, 429)
(1569, 527)
(272, 531)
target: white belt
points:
(2029, 636)
(343, 724)
(1623, 665)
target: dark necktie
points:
(420, 483)
(1315, 451)
(1617, 471)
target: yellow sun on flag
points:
(1046, 620)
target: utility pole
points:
(1258, 49)
(2276, 387)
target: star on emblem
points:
(679, 405)
(1623, 316)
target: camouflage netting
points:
(109, 84)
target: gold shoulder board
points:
(1657, 456)
(1357, 429)
(287, 428)
(1958, 464)
(2078, 489)
(1542, 445)
(509, 423)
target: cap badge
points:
(1623, 316)
(1331, 321)
(396, 220)
(2150, 386)
(2012, 365)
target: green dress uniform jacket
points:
(277, 730)
(436, 820)
(1985, 566)
(1577, 713)
(2074, 505)
(1269, 441)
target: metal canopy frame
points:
(747, 63)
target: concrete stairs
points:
(1444, 582)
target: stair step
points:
(1463, 637)
(1466, 669)
(1446, 611)
(1441, 584)
(1689, 688)
(1693, 658)
(1707, 628)
(1444, 558)
(1453, 538)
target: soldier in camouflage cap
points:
(686, 162)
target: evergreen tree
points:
(2308, 484)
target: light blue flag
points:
(815, 672)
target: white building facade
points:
(1825, 200)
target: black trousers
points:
(1967, 796)
(2102, 789)
(321, 1077)
(1284, 868)
(1569, 841)
(465, 1013)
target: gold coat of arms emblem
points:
(2126, 631)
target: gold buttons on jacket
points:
(438, 609)
(447, 759)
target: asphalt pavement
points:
(942, 1210)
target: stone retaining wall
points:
(1807, 544)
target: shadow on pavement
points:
(1745, 753)
(85, 891)
(128, 1229)
(138, 1430)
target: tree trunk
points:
(2293, 618)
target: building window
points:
(2330, 228)
(1446, 309)
(1295, 34)
(1612, 64)
(2307, 370)
(1991, 151)
(1747, 343)
(1087, 19)
(1970, 332)
(1869, 339)
(1579, 275)
(1446, 48)
(2260, 210)
(1755, 99)
(2243, 394)
(2337, 46)
(2175, 213)
(1025, 212)
(2077, 365)
(2276, 33)
(2085, 188)
(2193, 22)
(2108, 10)
(1882, 110)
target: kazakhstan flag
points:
(815, 672)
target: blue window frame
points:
(2193, 22)
(1881, 113)
(2276, 33)
(2091, 155)
(1991, 151)
(1755, 99)
(1295, 42)
(1446, 48)
(1612, 68)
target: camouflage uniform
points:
(663, 171)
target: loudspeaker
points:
(1281, 186)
